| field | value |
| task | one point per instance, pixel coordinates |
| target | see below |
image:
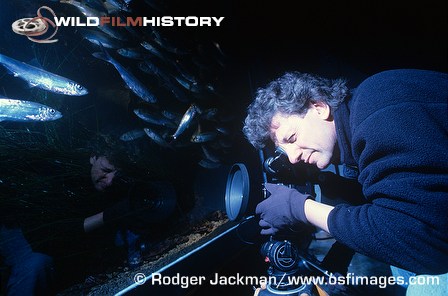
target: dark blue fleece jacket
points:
(395, 130)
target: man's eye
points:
(292, 138)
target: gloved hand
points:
(284, 208)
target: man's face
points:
(310, 138)
(102, 172)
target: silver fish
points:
(40, 78)
(203, 137)
(173, 116)
(131, 81)
(209, 155)
(150, 68)
(187, 118)
(154, 51)
(120, 4)
(97, 37)
(132, 135)
(193, 87)
(95, 4)
(20, 110)
(208, 164)
(167, 82)
(209, 114)
(131, 53)
(113, 32)
(153, 118)
(157, 5)
(88, 11)
(223, 130)
(157, 138)
(185, 73)
(170, 47)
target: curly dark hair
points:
(290, 94)
(110, 147)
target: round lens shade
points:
(237, 191)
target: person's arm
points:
(317, 213)
(399, 138)
(93, 222)
(112, 216)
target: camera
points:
(277, 169)
(282, 251)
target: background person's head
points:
(102, 172)
(295, 111)
(108, 157)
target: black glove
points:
(283, 209)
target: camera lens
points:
(277, 163)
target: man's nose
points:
(109, 178)
(293, 154)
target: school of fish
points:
(184, 115)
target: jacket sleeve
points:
(401, 151)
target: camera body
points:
(277, 169)
(283, 251)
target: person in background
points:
(391, 133)
(89, 211)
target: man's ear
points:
(92, 159)
(323, 110)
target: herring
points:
(22, 111)
(132, 135)
(131, 81)
(119, 5)
(42, 79)
(187, 118)
(97, 37)
(154, 118)
(208, 164)
(203, 137)
(130, 52)
(156, 138)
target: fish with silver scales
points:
(23, 111)
(37, 77)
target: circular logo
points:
(27, 26)
(36, 26)
(139, 278)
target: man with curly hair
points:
(391, 133)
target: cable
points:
(238, 233)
